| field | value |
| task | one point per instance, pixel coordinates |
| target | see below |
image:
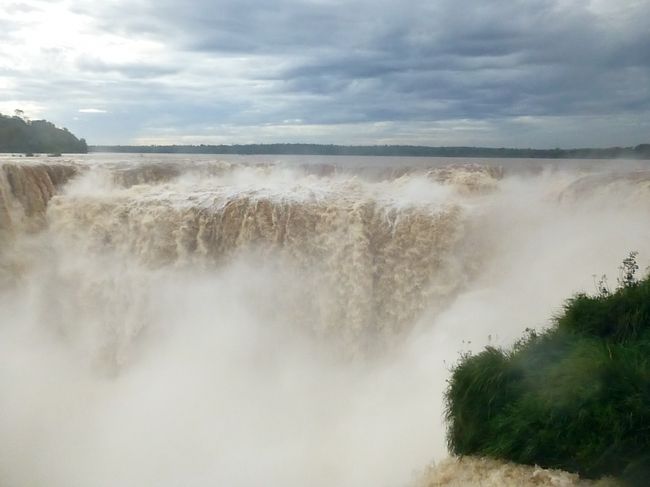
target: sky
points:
(514, 73)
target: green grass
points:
(575, 397)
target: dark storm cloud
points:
(478, 59)
(338, 62)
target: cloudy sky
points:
(519, 73)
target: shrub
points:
(574, 397)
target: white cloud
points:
(32, 109)
(92, 110)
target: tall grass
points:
(575, 397)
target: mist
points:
(237, 324)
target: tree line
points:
(641, 151)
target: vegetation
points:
(639, 152)
(38, 136)
(574, 397)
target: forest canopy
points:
(18, 134)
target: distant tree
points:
(643, 150)
(39, 136)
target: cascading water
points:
(195, 322)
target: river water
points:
(276, 320)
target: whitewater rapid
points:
(179, 321)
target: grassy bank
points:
(575, 397)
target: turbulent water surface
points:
(195, 320)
